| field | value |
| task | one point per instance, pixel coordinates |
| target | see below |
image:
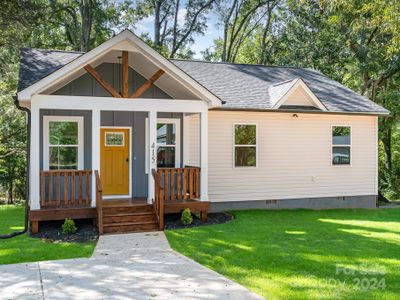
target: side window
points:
(245, 145)
(63, 143)
(341, 145)
(168, 143)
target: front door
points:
(114, 161)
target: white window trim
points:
(350, 146)
(46, 135)
(177, 123)
(234, 146)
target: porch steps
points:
(124, 218)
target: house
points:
(124, 135)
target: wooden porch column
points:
(34, 178)
(152, 155)
(204, 155)
(95, 150)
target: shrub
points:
(186, 218)
(69, 226)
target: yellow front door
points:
(114, 161)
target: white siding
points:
(194, 139)
(294, 157)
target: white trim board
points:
(106, 103)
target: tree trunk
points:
(387, 146)
(157, 25)
(86, 15)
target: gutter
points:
(26, 225)
(294, 111)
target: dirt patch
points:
(173, 221)
(51, 231)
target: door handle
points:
(127, 160)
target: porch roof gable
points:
(42, 69)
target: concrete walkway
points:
(130, 266)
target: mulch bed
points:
(52, 232)
(173, 221)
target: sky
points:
(201, 42)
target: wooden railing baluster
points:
(87, 186)
(66, 188)
(73, 195)
(65, 182)
(58, 189)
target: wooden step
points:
(130, 227)
(130, 217)
(118, 209)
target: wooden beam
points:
(125, 74)
(108, 87)
(145, 86)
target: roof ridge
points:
(242, 64)
(53, 50)
(286, 81)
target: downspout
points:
(26, 226)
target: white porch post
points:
(185, 140)
(152, 155)
(34, 178)
(204, 155)
(95, 150)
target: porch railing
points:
(99, 202)
(65, 188)
(158, 201)
(178, 184)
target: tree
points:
(80, 19)
(176, 24)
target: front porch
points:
(124, 123)
(67, 194)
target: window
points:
(62, 143)
(341, 145)
(245, 145)
(114, 139)
(168, 137)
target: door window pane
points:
(166, 157)
(114, 139)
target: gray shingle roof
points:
(37, 64)
(240, 86)
(247, 86)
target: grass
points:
(26, 249)
(337, 254)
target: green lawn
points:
(338, 254)
(25, 249)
